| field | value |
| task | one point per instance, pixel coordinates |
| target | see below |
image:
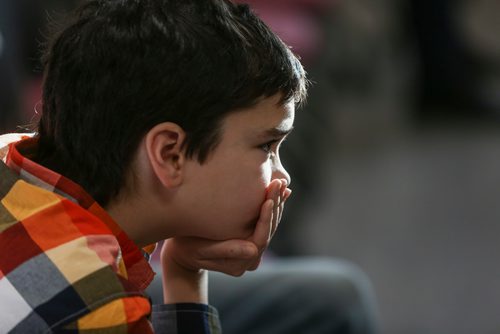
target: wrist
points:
(183, 285)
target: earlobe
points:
(164, 145)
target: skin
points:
(219, 215)
(222, 197)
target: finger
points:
(276, 214)
(232, 257)
(262, 230)
(263, 227)
(280, 214)
(280, 206)
(274, 189)
(288, 193)
(276, 193)
(277, 202)
(284, 185)
(255, 264)
(229, 249)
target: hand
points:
(234, 256)
(188, 257)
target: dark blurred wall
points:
(23, 28)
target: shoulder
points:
(9, 138)
(59, 263)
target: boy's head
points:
(118, 68)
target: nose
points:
(281, 173)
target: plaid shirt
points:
(66, 266)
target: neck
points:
(140, 208)
(139, 220)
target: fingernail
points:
(288, 193)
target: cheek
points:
(253, 193)
(266, 174)
(242, 208)
(256, 194)
(261, 182)
(228, 205)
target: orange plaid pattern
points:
(65, 266)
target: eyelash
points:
(267, 147)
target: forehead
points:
(265, 115)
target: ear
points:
(164, 147)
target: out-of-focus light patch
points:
(479, 24)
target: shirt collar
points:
(139, 271)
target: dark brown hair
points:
(119, 67)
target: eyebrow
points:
(278, 132)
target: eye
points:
(269, 146)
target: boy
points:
(161, 120)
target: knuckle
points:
(237, 270)
(238, 273)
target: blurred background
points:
(395, 159)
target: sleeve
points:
(185, 318)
